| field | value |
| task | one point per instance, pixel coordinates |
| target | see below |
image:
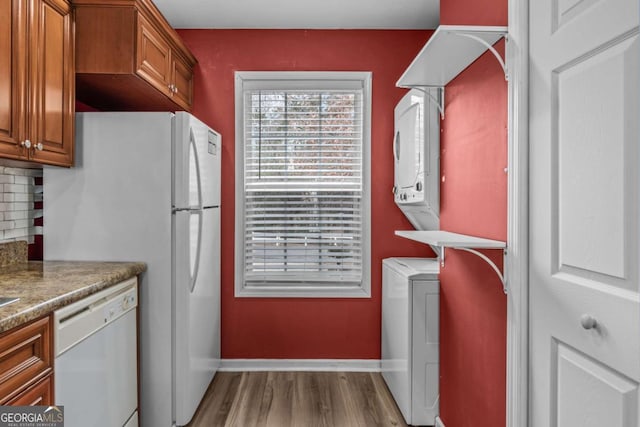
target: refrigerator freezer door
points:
(197, 151)
(197, 308)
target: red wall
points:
(473, 12)
(305, 328)
(474, 201)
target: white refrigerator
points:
(146, 187)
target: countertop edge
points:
(47, 307)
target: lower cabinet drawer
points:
(39, 394)
(25, 358)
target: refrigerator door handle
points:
(194, 147)
(196, 265)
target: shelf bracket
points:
(491, 264)
(491, 49)
(439, 101)
(439, 250)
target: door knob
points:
(26, 143)
(588, 321)
(39, 146)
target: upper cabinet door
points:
(153, 57)
(182, 83)
(52, 73)
(13, 53)
(129, 58)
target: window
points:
(302, 184)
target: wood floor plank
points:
(215, 407)
(353, 409)
(359, 388)
(335, 401)
(387, 403)
(249, 401)
(318, 401)
(297, 399)
(280, 386)
(306, 400)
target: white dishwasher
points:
(95, 368)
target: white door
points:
(584, 213)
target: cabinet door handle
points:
(39, 146)
(26, 144)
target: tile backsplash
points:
(20, 204)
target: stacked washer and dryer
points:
(410, 287)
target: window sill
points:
(302, 292)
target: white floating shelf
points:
(450, 50)
(451, 240)
(439, 240)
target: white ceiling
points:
(302, 14)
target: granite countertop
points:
(44, 287)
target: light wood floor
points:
(305, 399)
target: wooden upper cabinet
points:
(153, 57)
(53, 75)
(37, 81)
(13, 57)
(182, 82)
(129, 58)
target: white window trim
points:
(303, 79)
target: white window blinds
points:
(303, 185)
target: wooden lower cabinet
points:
(40, 393)
(26, 364)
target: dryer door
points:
(407, 146)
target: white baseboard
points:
(317, 365)
(439, 422)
